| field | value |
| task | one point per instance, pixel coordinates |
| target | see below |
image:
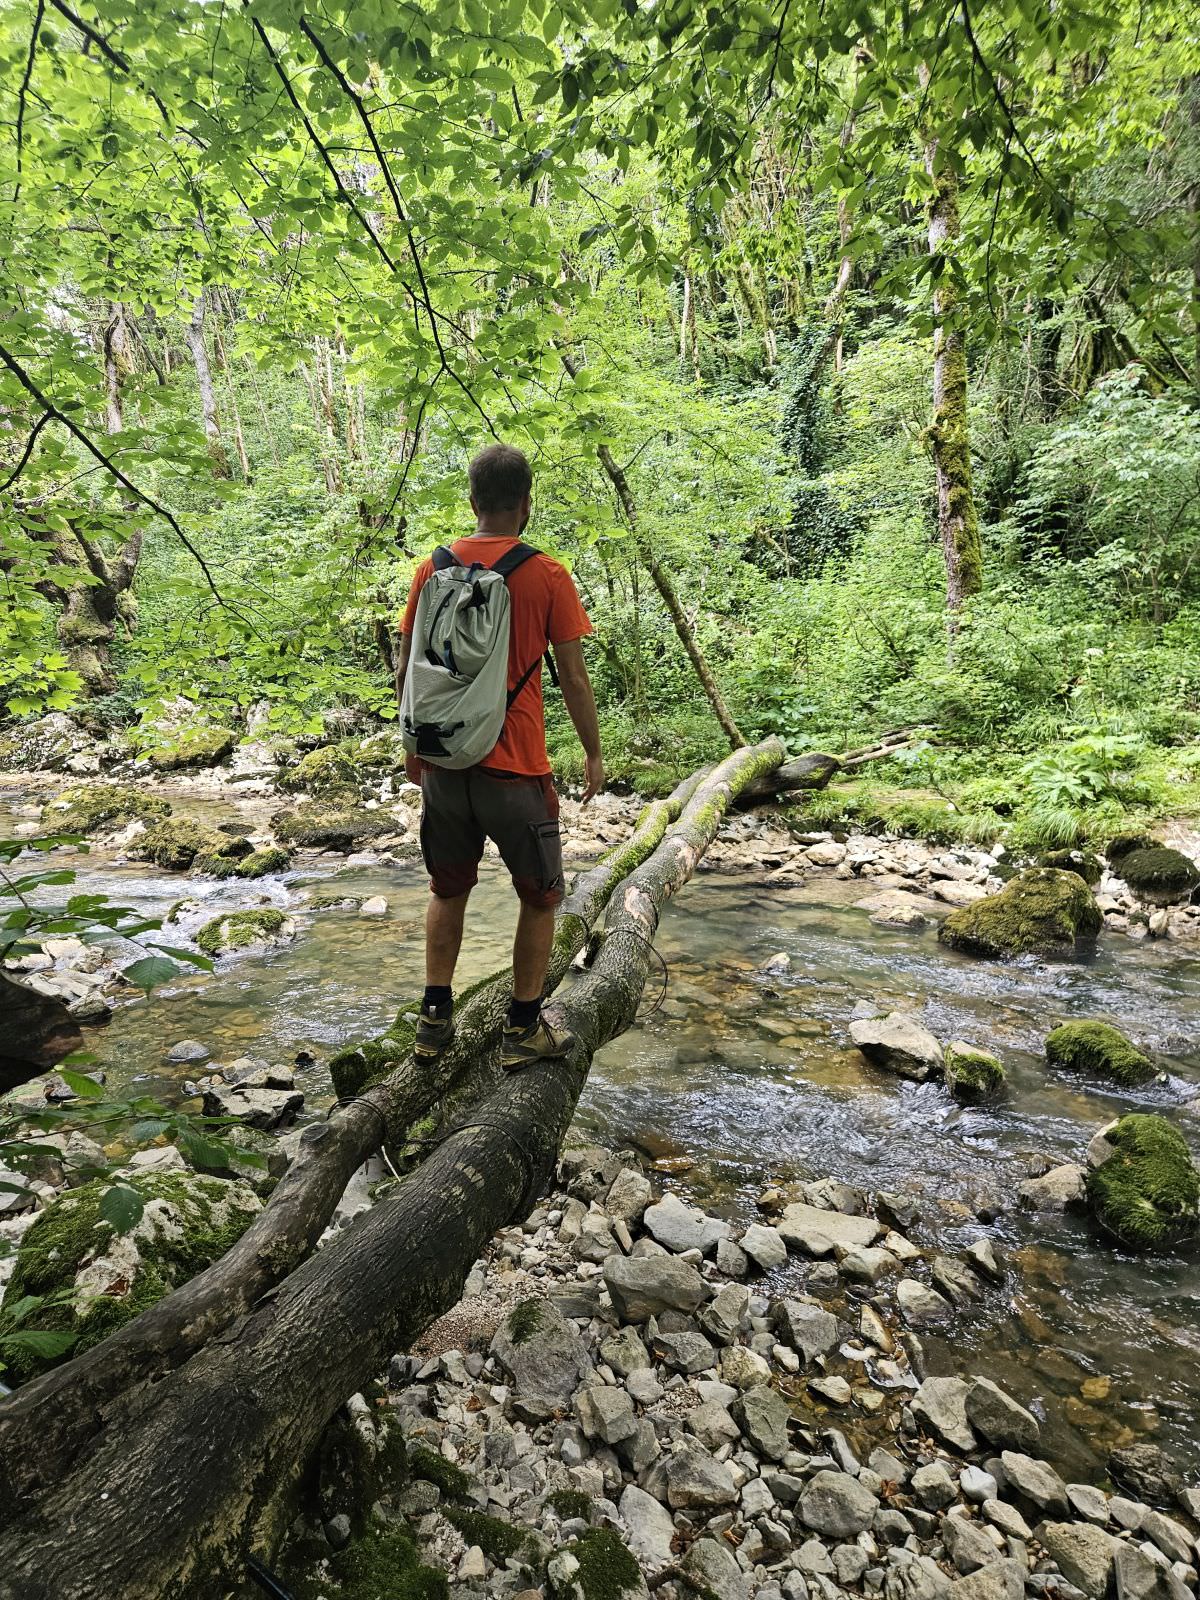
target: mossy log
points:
(194, 1465)
(805, 772)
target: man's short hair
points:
(500, 478)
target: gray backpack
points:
(456, 693)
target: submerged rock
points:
(1147, 1193)
(972, 1075)
(1042, 911)
(898, 1043)
(1097, 1048)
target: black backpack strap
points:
(551, 669)
(444, 557)
(512, 559)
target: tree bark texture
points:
(48, 1420)
(948, 435)
(210, 416)
(187, 1474)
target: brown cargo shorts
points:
(461, 810)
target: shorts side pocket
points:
(548, 848)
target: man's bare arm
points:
(581, 708)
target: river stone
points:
(628, 1196)
(1137, 1577)
(896, 908)
(817, 1232)
(982, 1255)
(257, 1108)
(188, 1050)
(1042, 911)
(605, 1412)
(900, 1044)
(806, 1326)
(679, 1227)
(1060, 1189)
(934, 1487)
(646, 1286)
(710, 1567)
(543, 1356)
(1169, 1536)
(1084, 1554)
(649, 1528)
(696, 1481)
(956, 1280)
(837, 1505)
(722, 1317)
(999, 1418)
(764, 1246)
(967, 1545)
(732, 1260)
(1007, 1518)
(919, 1304)
(940, 1405)
(1088, 1502)
(625, 1353)
(914, 1578)
(868, 1265)
(712, 1424)
(764, 1415)
(744, 1368)
(977, 1486)
(375, 905)
(1036, 1480)
(1001, 1580)
(686, 1352)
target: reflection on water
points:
(753, 1078)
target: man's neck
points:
(486, 529)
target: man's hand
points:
(593, 777)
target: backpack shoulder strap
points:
(512, 559)
(444, 557)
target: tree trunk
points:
(208, 399)
(192, 1468)
(948, 435)
(61, 1410)
(239, 438)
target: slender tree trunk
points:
(948, 435)
(193, 1467)
(239, 441)
(208, 399)
(326, 418)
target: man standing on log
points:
(507, 792)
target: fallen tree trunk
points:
(815, 770)
(47, 1421)
(192, 1467)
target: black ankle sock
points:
(523, 1012)
(438, 997)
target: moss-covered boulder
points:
(243, 930)
(198, 747)
(1042, 911)
(337, 824)
(1086, 864)
(102, 1279)
(44, 745)
(972, 1075)
(89, 808)
(385, 1566)
(1124, 844)
(1159, 875)
(236, 858)
(1099, 1049)
(175, 842)
(330, 770)
(1147, 1194)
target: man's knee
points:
(531, 892)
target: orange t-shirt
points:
(546, 610)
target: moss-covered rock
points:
(259, 863)
(1041, 911)
(386, 1566)
(1124, 844)
(972, 1075)
(175, 842)
(88, 808)
(499, 1541)
(1086, 864)
(234, 858)
(596, 1566)
(239, 930)
(1147, 1194)
(330, 770)
(198, 747)
(1159, 875)
(107, 1278)
(429, 1464)
(1100, 1049)
(45, 745)
(337, 824)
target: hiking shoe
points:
(435, 1029)
(521, 1047)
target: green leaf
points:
(81, 1084)
(150, 971)
(48, 1343)
(122, 1207)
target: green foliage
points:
(1099, 1049)
(1147, 1193)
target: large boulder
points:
(1158, 874)
(245, 930)
(100, 1279)
(175, 842)
(1147, 1193)
(1099, 1049)
(197, 747)
(90, 808)
(972, 1075)
(900, 1044)
(45, 745)
(337, 824)
(1041, 911)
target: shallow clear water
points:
(753, 1079)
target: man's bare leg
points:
(443, 937)
(531, 951)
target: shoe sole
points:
(425, 1052)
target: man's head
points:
(501, 481)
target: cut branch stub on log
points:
(192, 1467)
(45, 1422)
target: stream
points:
(732, 1079)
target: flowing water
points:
(743, 1078)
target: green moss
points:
(238, 929)
(72, 1231)
(1084, 863)
(607, 1570)
(89, 807)
(1041, 911)
(524, 1320)
(1100, 1049)
(331, 770)
(1124, 844)
(972, 1075)
(337, 824)
(201, 747)
(570, 1503)
(273, 858)
(356, 1068)
(175, 843)
(385, 1566)
(1159, 875)
(1147, 1194)
(500, 1541)
(224, 861)
(425, 1463)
